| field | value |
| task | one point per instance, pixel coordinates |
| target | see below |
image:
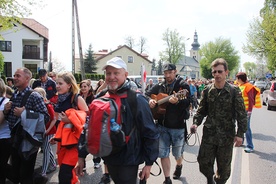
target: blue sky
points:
(106, 24)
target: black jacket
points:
(50, 87)
(175, 113)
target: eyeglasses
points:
(217, 71)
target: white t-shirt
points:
(4, 127)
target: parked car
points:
(262, 85)
(269, 99)
(137, 79)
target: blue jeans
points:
(174, 138)
(248, 134)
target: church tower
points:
(194, 52)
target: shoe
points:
(248, 150)
(177, 172)
(167, 181)
(42, 179)
(50, 170)
(97, 165)
(105, 179)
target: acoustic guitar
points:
(162, 99)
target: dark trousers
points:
(65, 174)
(123, 174)
(22, 170)
(5, 151)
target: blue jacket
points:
(143, 144)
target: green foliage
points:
(261, 37)
(250, 69)
(1, 62)
(12, 11)
(220, 48)
(159, 68)
(175, 46)
(90, 64)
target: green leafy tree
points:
(153, 66)
(13, 11)
(90, 64)
(250, 69)
(261, 37)
(175, 46)
(220, 48)
(1, 62)
(159, 68)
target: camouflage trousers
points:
(208, 153)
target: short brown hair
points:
(219, 61)
(242, 76)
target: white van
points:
(137, 79)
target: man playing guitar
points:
(171, 115)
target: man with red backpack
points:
(142, 145)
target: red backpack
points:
(100, 140)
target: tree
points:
(261, 37)
(142, 44)
(12, 11)
(250, 69)
(175, 46)
(90, 64)
(130, 42)
(1, 62)
(58, 66)
(153, 66)
(220, 48)
(159, 68)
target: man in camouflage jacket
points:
(222, 105)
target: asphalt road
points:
(254, 168)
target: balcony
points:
(31, 52)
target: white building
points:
(26, 45)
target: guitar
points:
(162, 99)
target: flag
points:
(143, 78)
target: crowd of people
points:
(64, 105)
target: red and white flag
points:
(143, 78)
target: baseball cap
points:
(168, 66)
(42, 72)
(115, 62)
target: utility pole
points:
(75, 8)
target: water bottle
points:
(117, 135)
(114, 127)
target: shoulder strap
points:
(25, 98)
(132, 101)
(75, 101)
(3, 98)
(233, 96)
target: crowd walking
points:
(151, 126)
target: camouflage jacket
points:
(222, 109)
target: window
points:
(130, 59)
(8, 69)
(32, 68)
(5, 46)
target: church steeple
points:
(195, 44)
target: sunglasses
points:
(217, 71)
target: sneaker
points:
(105, 179)
(97, 165)
(177, 172)
(167, 181)
(248, 150)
